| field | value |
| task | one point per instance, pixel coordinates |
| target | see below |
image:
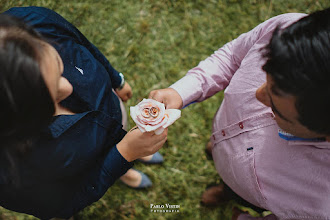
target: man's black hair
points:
(298, 60)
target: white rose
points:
(151, 115)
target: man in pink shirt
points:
(270, 135)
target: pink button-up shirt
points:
(289, 178)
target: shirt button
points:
(241, 125)
(223, 133)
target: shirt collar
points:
(290, 137)
(62, 123)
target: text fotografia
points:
(164, 208)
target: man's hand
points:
(136, 144)
(125, 93)
(169, 97)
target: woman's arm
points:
(55, 28)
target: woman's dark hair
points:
(298, 60)
(26, 104)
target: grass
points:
(155, 43)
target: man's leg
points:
(222, 193)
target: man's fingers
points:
(156, 95)
(168, 96)
(151, 95)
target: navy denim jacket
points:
(75, 160)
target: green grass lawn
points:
(155, 43)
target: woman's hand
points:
(125, 93)
(169, 97)
(137, 144)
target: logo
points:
(164, 208)
(80, 70)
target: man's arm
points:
(215, 73)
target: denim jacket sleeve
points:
(97, 183)
(53, 26)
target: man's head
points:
(298, 76)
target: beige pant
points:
(123, 115)
(123, 112)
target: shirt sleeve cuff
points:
(116, 79)
(188, 89)
(116, 164)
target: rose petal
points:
(132, 112)
(141, 129)
(173, 115)
(155, 127)
(159, 122)
(149, 103)
(159, 131)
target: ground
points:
(154, 43)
